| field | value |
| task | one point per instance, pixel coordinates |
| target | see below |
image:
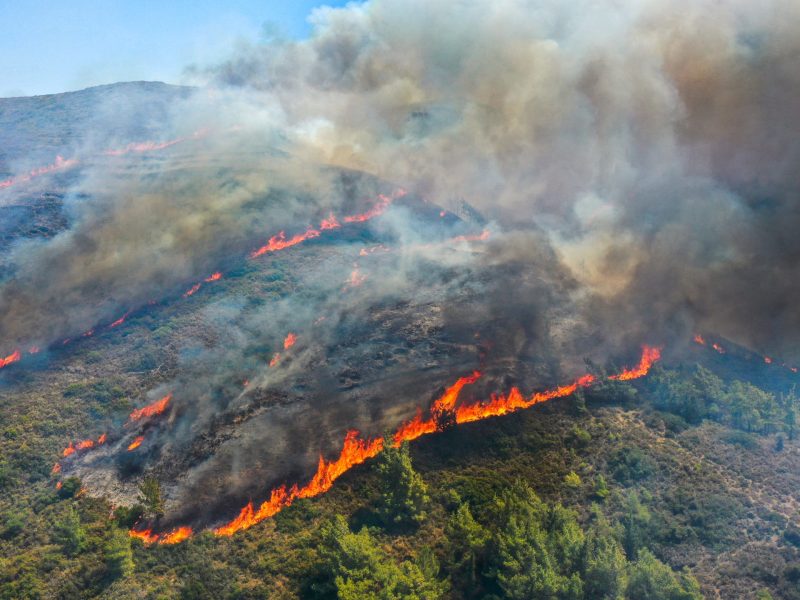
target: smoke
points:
(636, 161)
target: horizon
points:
(56, 49)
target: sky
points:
(49, 47)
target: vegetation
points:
(611, 495)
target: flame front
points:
(156, 408)
(136, 443)
(291, 338)
(11, 358)
(650, 354)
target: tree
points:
(360, 570)
(467, 541)
(635, 521)
(605, 570)
(404, 495)
(535, 548)
(70, 534)
(150, 496)
(601, 490)
(572, 480)
(652, 579)
(118, 553)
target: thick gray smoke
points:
(637, 161)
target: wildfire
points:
(68, 450)
(213, 277)
(280, 242)
(147, 535)
(143, 147)
(119, 321)
(11, 358)
(718, 348)
(275, 359)
(156, 408)
(56, 469)
(356, 279)
(356, 450)
(192, 290)
(136, 443)
(481, 237)
(768, 360)
(291, 338)
(698, 339)
(650, 355)
(60, 164)
(176, 535)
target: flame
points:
(279, 241)
(88, 333)
(213, 277)
(85, 444)
(192, 290)
(698, 339)
(768, 360)
(56, 469)
(147, 535)
(102, 439)
(329, 223)
(354, 452)
(275, 359)
(176, 536)
(148, 146)
(119, 321)
(59, 484)
(59, 164)
(356, 279)
(156, 408)
(650, 355)
(68, 450)
(377, 210)
(289, 341)
(481, 237)
(11, 358)
(500, 404)
(136, 443)
(718, 348)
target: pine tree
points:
(150, 496)
(118, 553)
(404, 495)
(467, 541)
(70, 534)
(652, 579)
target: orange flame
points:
(289, 341)
(213, 277)
(147, 535)
(56, 469)
(698, 339)
(768, 360)
(377, 210)
(176, 536)
(329, 223)
(83, 445)
(143, 147)
(275, 359)
(156, 408)
(59, 484)
(192, 290)
(68, 450)
(279, 242)
(356, 279)
(136, 443)
(500, 404)
(718, 348)
(481, 237)
(102, 439)
(119, 321)
(650, 355)
(59, 164)
(11, 358)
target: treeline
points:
(520, 548)
(698, 394)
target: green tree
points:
(605, 573)
(404, 495)
(529, 548)
(635, 523)
(466, 541)
(360, 570)
(652, 579)
(150, 496)
(601, 490)
(118, 554)
(69, 533)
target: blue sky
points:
(55, 46)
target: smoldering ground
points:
(637, 161)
